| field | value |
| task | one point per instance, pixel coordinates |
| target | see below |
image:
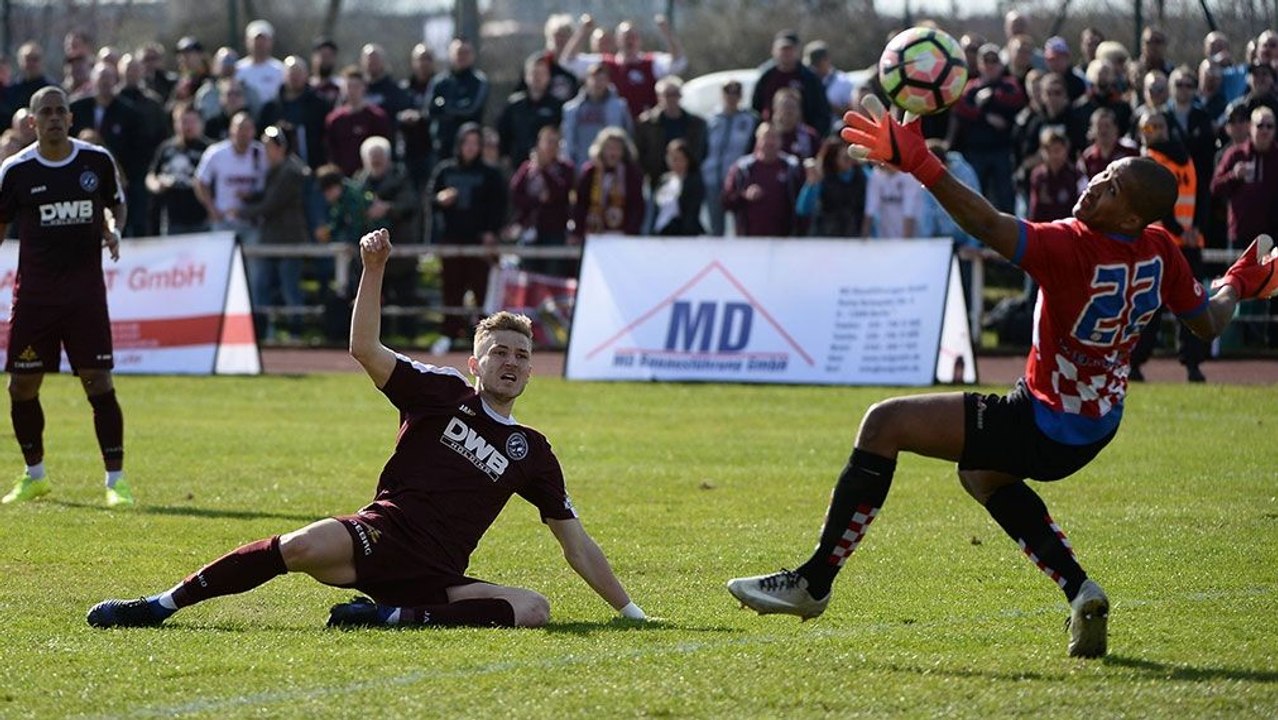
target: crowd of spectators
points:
(595, 139)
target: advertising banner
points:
(769, 310)
(178, 305)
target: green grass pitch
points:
(684, 486)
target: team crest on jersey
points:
(89, 180)
(517, 446)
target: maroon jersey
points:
(457, 462)
(635, 81)
(58, 208)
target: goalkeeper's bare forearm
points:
(977, 216)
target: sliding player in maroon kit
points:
(1102, 275)
(57, 190)
(459, 457)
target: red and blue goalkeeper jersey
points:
(1096, 292)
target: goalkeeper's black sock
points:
(1023, 515)
(860, 492)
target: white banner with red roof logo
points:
(770, 310)
(178, 304)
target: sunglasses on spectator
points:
(1189, 85)
(1267, 125)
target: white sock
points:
(113, 476)
(165, 599)
(36, 472)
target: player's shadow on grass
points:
(1191, 673)
(200, 512)
(623, 625)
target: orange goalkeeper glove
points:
(878, 136)
(1255, 273)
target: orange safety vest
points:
(1186, 191)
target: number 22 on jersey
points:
(1123, 300)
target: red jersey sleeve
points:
(545, 488)
(1181, 291)
(418, 386)
(1047, 251)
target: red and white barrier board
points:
(770, 310)
(179, 305)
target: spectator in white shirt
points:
(261, 72)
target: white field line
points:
(272, 697)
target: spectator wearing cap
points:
(351, 123)
(413, 125)
(634, 71)
(785, 69)
(259, 70)
(838, 86)
(155, 75)
(458, 96)
(664, 123)
(324, 79)
(1260, 89)
(985, 115)
(382, 90)
(597, 106)
(729, 135)
(193, 69)
(563, 83)
(279, 209)
(527, 112)
(1057, 56)
(171, 177)
(762, 188)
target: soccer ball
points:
(922, 70)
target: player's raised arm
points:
(587, 560)
(1253, 276)
(366, 317)
(878, 136)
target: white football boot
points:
(784, 592)
(1088, 622)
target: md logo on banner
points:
(710, 325)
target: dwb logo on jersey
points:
(67, 212)
(470, 445)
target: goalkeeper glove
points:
(878, 136)
(1255, 273)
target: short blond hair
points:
(498, 321)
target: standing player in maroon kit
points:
(1102, 275)
(459, 457)
(57, 191)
